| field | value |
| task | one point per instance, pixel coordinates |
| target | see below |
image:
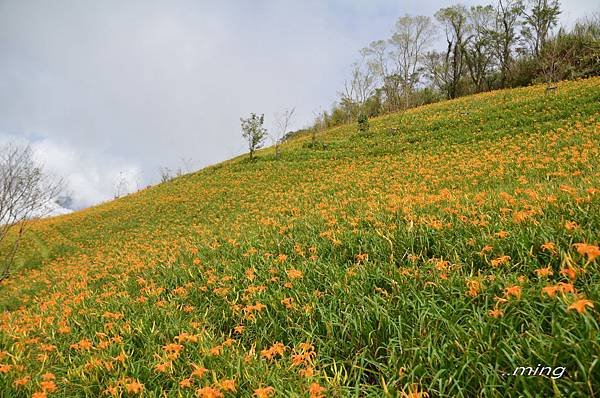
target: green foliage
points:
(538, 22)
(315, 145)
(363, 123)
(254, 132)
(566, 56)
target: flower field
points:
(429, 257)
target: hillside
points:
(433, 255)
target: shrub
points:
(363, 123)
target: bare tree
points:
(379, 59)
(121, 186)
(188, 165)
(360, 87)
(26, 192)
(320, 123)
(166, 174)
(410, 40)
(282, 121)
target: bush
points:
(363, 123)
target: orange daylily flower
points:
(48, 386)
(4, 369)
(112, 391)
(121, 357)
(294, 273)
(569, 273)
(22, 381)
(239, 329)
(199, 371)
(474, 287)
(162, 367)
(581, 305)
(590, 251)
(288, 302)
(571, 225)
(208, 392)
(549, 247)
(275, 349)
(264, 392)
(550, 290)
(134, 387)
(228, 385)
(500, 261)
(513, 291)
(316, 390)
(361, 257)
(566, 287)
(501, 234)
(544, 272)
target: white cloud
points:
(90, 176)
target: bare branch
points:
(26, 192)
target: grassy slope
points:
(385, 253)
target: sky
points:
(106, 91)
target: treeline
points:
(509, 44)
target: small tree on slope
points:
(254, 132)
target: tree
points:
(478, 49)
(166, 174)
(320, 123)
(283, 120)
(570, 55)
(360, 87)
(379, 61)
(541, 17)
(121, 186)
(505, 35)
(552, 60)
(454, 21)
(188, 165)
(26, 192)
(437, 66)
(254, 132)
(412, 36)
